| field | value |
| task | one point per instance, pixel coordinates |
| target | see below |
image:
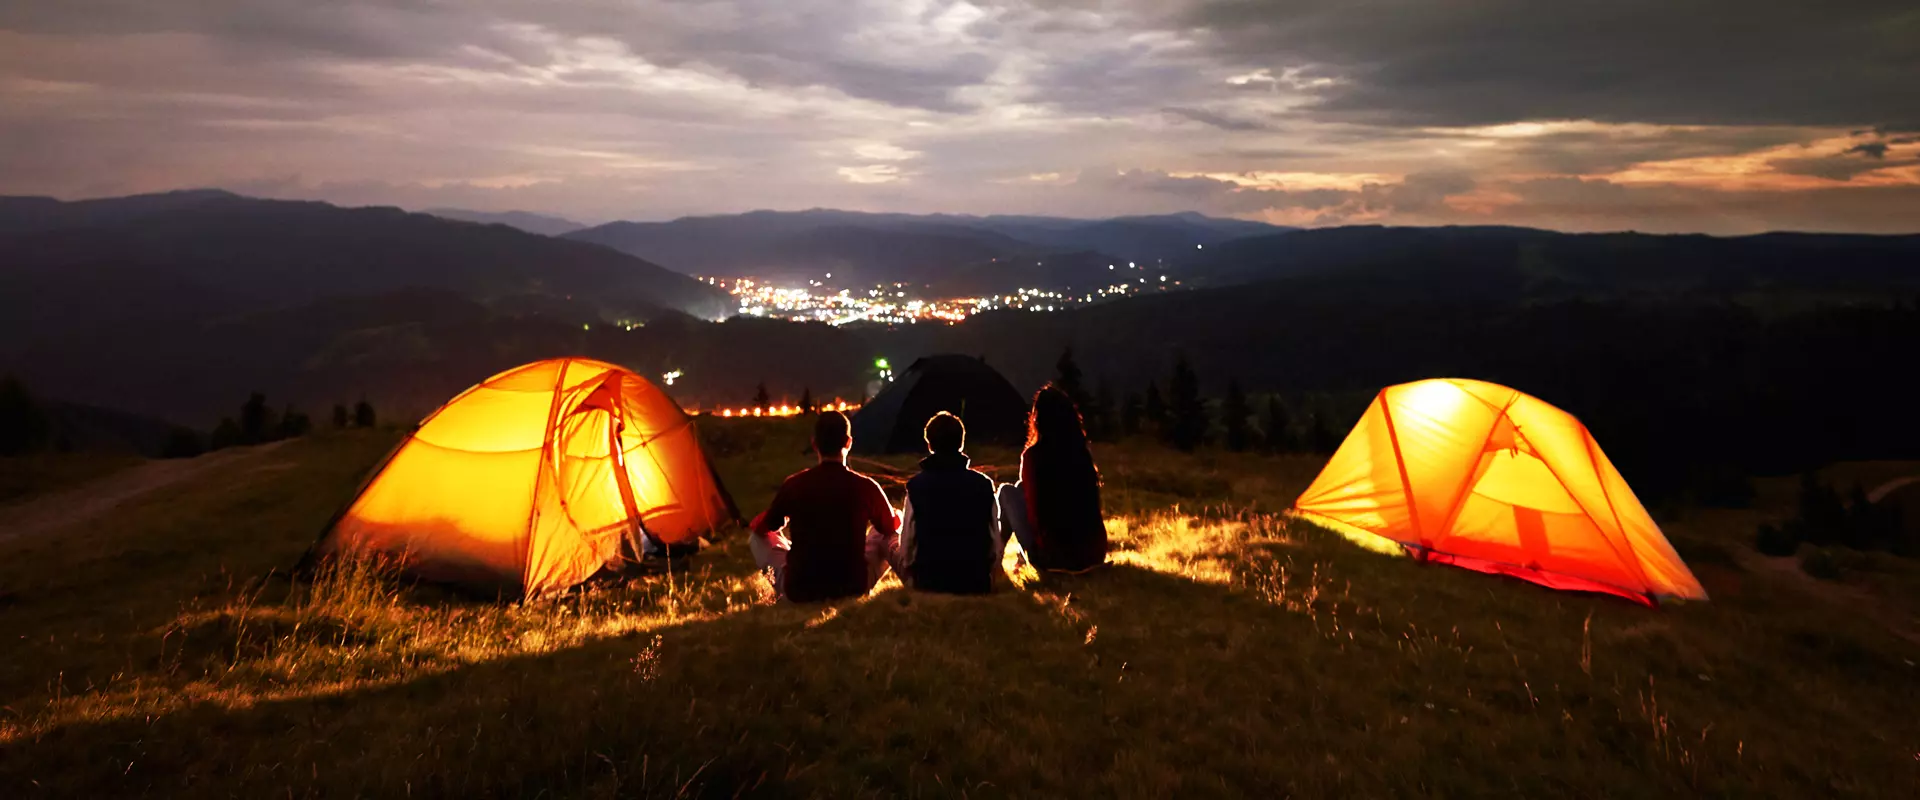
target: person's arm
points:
(1030, 490)
(880, 513)
(775, 517)
(993, 525)
(906, 532)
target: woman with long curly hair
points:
(1054, 510)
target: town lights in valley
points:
(893, 304)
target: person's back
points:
(951, 517)
(1055, 509)
(1062, 490)
(826, 510)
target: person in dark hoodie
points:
(950, 540)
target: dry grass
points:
(38, 474)
(1228, 651)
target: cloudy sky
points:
(1724, 116)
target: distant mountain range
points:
(195, 255)
(177, 306)
(1517, 263)
(883, 248)
(526, 221)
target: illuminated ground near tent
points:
(1229, 651)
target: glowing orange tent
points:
(1484, 477)
(534, 480)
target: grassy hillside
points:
(156, 651)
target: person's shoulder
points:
(802, 475)
(865, 480)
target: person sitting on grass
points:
(950, 540)
(826, 552)
(1054, 510)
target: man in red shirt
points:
(827, 553)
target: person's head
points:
(1054, 419)
(832, 435)
(946, 434)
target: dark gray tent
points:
(961, 385)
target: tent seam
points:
(1594, 462)
(533, 494)
(1634, 561)
(1453, 511)
(1400, 461)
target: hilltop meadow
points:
(159, 647)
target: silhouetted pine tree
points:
(226, 434)
(1278, 426)
(340, 416)
(1155, 409)
(1237, 417)
(806, 401)
(1187, 421)
(1323, 438)
(23, 423)
(256, 420)
(1068, 378)
(1100, 419)
(760, 397)
(363, 416)
(1130, 414)
(182, 443)
(294, 423)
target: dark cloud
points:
(1877, 150)
(1835, 168)
(1588, 152)
(1593, 204)
(1225, 122)
(614, 108)
(1418, 193)
(1846, 62)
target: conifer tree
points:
(1131, 412)
(1155, 409)
(255, 425)
(226, 434)
(1237, 416)
(1101, 422)
(1323, 439)
(1187, 421)
(1069, 379)
(1278, 426)
(23, 423)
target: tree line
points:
(29, 425)
(1183, 418)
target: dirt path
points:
(1880, 492)
(1786, 569)
(89, 501)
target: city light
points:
(782, 410)
(894, 304)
